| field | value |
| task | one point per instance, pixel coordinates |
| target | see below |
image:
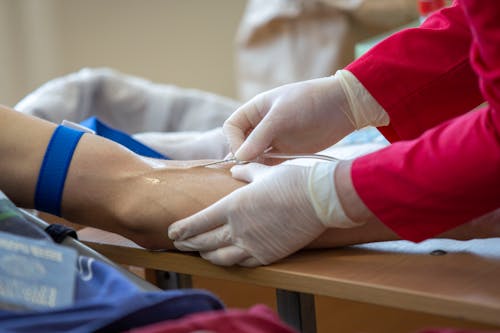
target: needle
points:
(232, 159)
(288, 156)
(226, 160)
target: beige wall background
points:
(189, 43)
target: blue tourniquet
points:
(55, 165)
(120, 137)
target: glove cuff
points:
(324, 199)
(364, 109)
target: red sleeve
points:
(445, 176)
(416, 73)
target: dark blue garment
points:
(106, 301)
(13, 222)
(120, 137)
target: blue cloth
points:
(120, 137)
(365, 135)
(106, 301)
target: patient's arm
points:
(111, 188)
(107, 186)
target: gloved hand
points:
(303, 117)
(283, 209)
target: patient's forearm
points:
(139, 198)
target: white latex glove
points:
(302, 117)
(283, 209)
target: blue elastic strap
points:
(55, 165)
(120, 137)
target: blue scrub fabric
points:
(106, 301)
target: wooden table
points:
(443, 277)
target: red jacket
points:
(443, 168)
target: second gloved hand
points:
(270, 218)
(302, 117)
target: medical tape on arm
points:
(54, 169)
(324, 198)
(365, 110)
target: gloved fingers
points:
(226, 256)
(199, 223)
(208, 241)
(228, 156)
(240, 123)
(250, 262)
(249, 172)
(244, 122)
(257, 141)
(234, 134)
